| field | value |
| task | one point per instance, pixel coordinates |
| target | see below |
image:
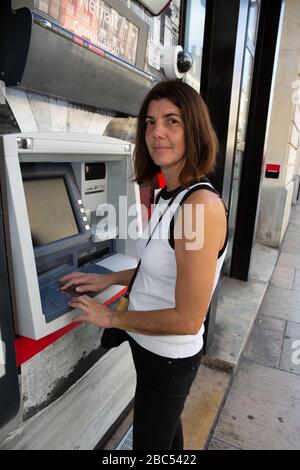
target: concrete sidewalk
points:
(247, 392)
(262, 407)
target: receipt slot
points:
(53, 185)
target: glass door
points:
(245, 92)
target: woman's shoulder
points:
(203, 194)
(215, 210)
(214, 213)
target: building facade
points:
(71, 390)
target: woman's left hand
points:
(93, 311)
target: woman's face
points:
(165, 137)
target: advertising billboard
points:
(97, 22)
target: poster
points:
(96, 22)
(163, 32)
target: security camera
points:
(176, 62)
(184, 62)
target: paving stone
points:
(266, 341)
(291, 243)
(290, 359)
(289, 260)
(281, 303)
(263, 261)
(290, 235)
(297, 281)
(294, 226)
(238, 305)
(295, 217)
(262, 410)
(202, 406)
(296, 209)
(283, 277)
(215, 444)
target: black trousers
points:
(163, 385)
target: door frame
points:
(9, 384)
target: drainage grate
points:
(126, 441)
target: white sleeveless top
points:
(154, 286)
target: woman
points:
(179, 271)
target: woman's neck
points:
(171, 177)
(172, 184)
(172, 180)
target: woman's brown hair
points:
(200, 139)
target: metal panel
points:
(41, 60)
(79, 75)
(9, 385)
(122, 10)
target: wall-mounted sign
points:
(272, 171)
(54, 60)
(155, 6)
(98, 22)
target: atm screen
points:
(50, 212)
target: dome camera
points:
(184, 62)
(176, 62)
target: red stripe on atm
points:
(26, 347)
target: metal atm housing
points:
(51, 206)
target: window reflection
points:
(252, 25)
(245, 95)
(194, 33)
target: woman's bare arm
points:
(195, 278)
(195, 275)
(122, 277)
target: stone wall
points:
(282, 146)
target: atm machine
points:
(59, 191)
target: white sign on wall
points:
(154, 59)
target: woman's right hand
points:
(85, 282)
